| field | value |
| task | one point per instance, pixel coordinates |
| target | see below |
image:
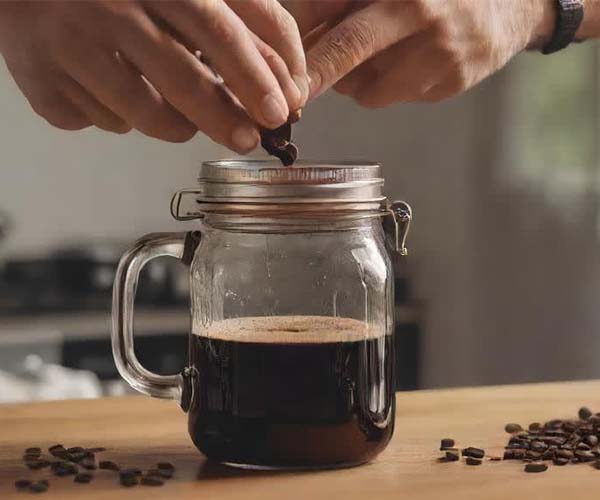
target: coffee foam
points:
(290, 330)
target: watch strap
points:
(568, 20)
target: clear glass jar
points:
(291, 351)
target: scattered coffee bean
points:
(277, 142)
(536, 467)
(33, 451)
(451, 456)
(535, 427)
(151, 481)
(495, 459)
(444, 445)
(39, 487)
(473, 452)
(108, 465)
(22, 484)
(473, 461)
(128, 479)
(560, 461)
(584, 456)
(133, 470)
(171, 467)
(75, 449)
(88, 463)
(585, 413)
(83, 477)
(63, 469)
(592, 440)
(513, 428)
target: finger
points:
(188, 85)
(275, 26)
(277, 65)
(220, 34)
(309, 14)
(401, 73)
(115, 83)
(40, 89)
(357, 38)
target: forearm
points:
(590, 28)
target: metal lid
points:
(233, 186)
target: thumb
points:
(356, 39)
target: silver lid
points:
(234, 186)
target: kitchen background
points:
(502, 283)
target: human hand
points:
(122, 64)
(386, 51)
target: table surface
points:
(139, 432)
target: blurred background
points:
(501, 286)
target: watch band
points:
(568, 20)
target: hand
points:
(122, 64)
(381, 52)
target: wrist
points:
(590, 27)
(544, 23)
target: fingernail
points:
(302, 84)
(314, 85)
(274, 110)
(244, 138)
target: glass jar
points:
(291, 354)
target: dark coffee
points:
(292, 391)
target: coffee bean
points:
(495, 459)
(513, 428)
(133, 470)
(560, 461)
(444, 445)
(128, 478)
(88, 463)
(583, 446)
(584, 456)
(585, 413)
(533, 455)
(75, 449)
(151, 481)
(38, 487)
(451, 456)
(538, 446)
(473, 452)
(535, 427)
(83, 477)
(22, 484)
(171, 467)
(63, 469)
(592, 440)
(473, 461)
(548, 454)
(164, 473)
(56, 447)
(509, 455)
(108, 465)
(33, 451)
(536, 467)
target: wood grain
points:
(139, 432)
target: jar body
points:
(291, 348)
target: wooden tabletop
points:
(139, 432)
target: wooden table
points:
(139, 432)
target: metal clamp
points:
(176, 202)
(401, 214)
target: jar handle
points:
(180, 246)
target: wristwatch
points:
(568, 20)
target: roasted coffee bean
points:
(33, 451)
(592, 440)
(151, 481)
(585, 413)
(88, 463)
(97, 449)
(75, 449)
(168, 474)
(39, 464)
(128, 478)
(473, 461)
(560, 461)
(509, 455)
(108, 465)
(584, 456)
(495, 459)
(39, 487)
(473, 452)
(583, 446)
(536, 467)
(533, 455)
(22, 484)
(78, 456)
(513, 428)
(554, 424)
(56, 447)
(63, 469)
(519, 454)
(83, 477)
(535, 427)
(444, 445)
(450, 456)
(538, 446)
(133, 470)
(548, 454)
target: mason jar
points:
(291, 359)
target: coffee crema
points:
(291, 391)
